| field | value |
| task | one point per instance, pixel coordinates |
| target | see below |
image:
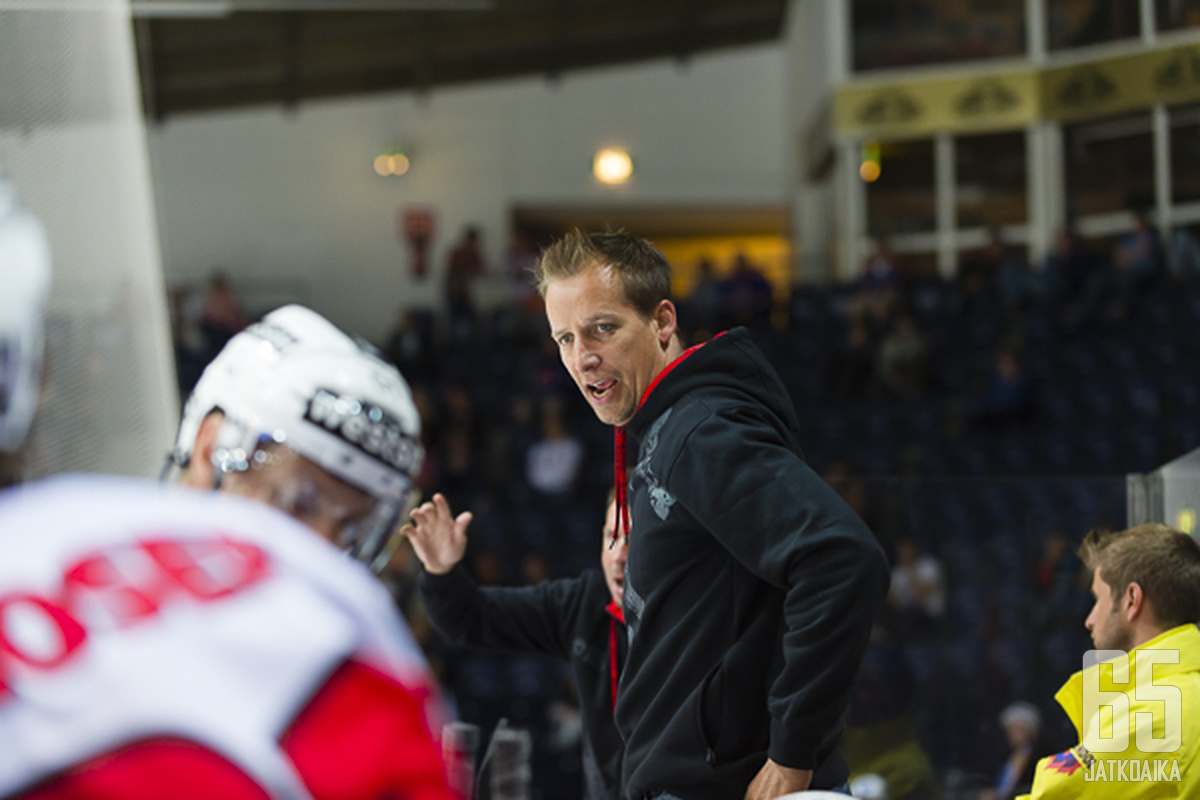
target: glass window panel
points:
(900, 33)
(1109, 165)
(1076, 23)
(1185, 154)
(901, 199)
(1172, 15)
(990, 172)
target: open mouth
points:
(601, 389)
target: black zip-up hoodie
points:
(750, 586)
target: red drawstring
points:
(613, 671)
(621, 486)
(615, 614)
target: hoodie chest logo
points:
(660, 499)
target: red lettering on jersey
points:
(97, 579)
(97, 592)
(209, 569)
(60, 631)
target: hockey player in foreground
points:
(161, 642)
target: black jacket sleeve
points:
(531, 619)
(782, 522)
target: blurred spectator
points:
(703, 307)
(1021, 283)
(222, 315)
(1137, 261)
(1022, 723)
(981, 270)
(553, 463)
(1065, 269)
(410, 345)
(192, 353)
(1008, 398)
(918, 592)
(1055, 579)
(746, 295)
(851, 370)
(1139, 252)
(459, 472)
(903, 359)
(464, 265)
(520, 263)
(1184, 256)
(879, 284)
(511, 440)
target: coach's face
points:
(612, 352)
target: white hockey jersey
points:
(158, 641)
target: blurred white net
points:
(72, 142)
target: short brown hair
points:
(1163, 561)
(645, 272)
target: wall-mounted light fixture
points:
(391, 163)
(612, 166)
(870, 168)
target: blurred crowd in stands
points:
(981, 426)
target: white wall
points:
(271, 194)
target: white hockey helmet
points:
(294, 379)
(24, 284)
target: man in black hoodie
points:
(579, 619)
(751, 586)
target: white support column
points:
(1047, 185)
(853, 222)
(1040, 231)
(1162, 138)
(1149, 28)
(946, 194)
(841, 41)
(1056, 174)
(1162, 171)
(1035, 31)
(1043, 151)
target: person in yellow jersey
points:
(1137, 708)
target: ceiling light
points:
(391, 163)
(612, 166)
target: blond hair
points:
(644, 272)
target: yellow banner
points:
(1003, 101)
(980, 103)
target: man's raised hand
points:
(438, 537)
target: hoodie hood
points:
(729, 364)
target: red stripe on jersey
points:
(365, 736)
(152, 770)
